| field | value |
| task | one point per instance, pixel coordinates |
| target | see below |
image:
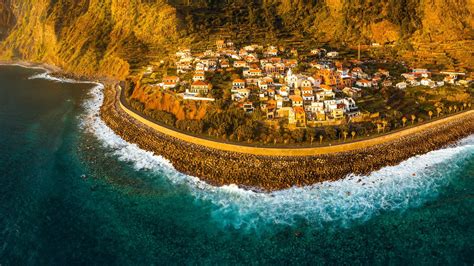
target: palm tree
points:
(345, 135)
(430, 113)
(413, 117)
(320, 139)
(439, 110)
(455, 108)
(464, 106)
(450, 109)
(379, 127)
(404, 121)
(353, 133)
(469, 105)
(384, 125)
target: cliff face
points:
(111, 37)
(88, 37)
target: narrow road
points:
(293, 152)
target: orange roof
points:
(307, 95)
(298, 109)
(326, 87)
(170, 78)
(296, 98)
(199, 83)
(239, 81)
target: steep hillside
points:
(6, 20)
(111, 37)
(89, 37)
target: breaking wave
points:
(354, 199)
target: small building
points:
(170, 82)
(284, 91)
(248, 107)
(401, 85)
(364, 83)
(296, 100)
(224, 63)
(199, 76)
(200, 87)
(238, 84)
(240, 64)
(352, 92)
(337, 113)
(297, 117)
(308, 97)
(421, 72)
(427, 82)
(240, 94)
(253, 73)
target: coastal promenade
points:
(286, 152)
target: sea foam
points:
(354, 199)
(351, 200)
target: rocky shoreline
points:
(270, 173)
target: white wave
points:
(353, 199)
(47, 76)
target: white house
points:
(284, 91)
(314, 107)
(401, 85)
(199, 76)
(238, 84)
(308, 97)
(364, 83)
(170, 82)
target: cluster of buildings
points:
(267, 82)
(422, 77)
(296, 97)
(325, 91)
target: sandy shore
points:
(268, 173)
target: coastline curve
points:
(288, 152)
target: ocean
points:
(73, 192)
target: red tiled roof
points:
(199, 83)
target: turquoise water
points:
(72, 192)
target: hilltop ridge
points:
(110, 38)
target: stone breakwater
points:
(269, 173)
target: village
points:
(315, 88)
